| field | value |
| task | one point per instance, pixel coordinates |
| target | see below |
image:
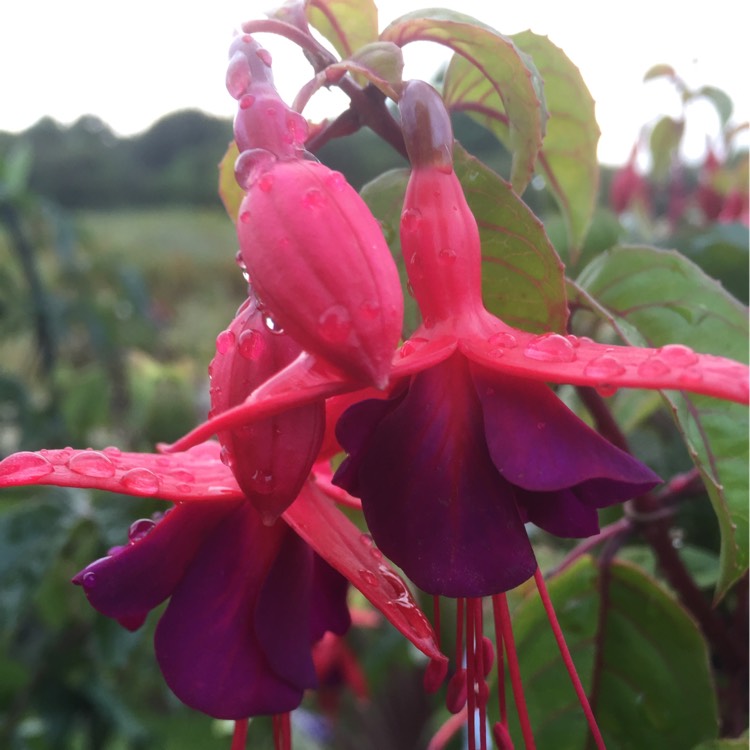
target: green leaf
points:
(660, 71)
(655, 297)
(522, 277)
(346, 24)
(380, 63)
(568, 157)
(230, 192)
(509, 73)
(653, 676)
(720, 99)
(665, 140)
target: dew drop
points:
(247, 101)
(313, 198)
(574, 340)
(140, 529)
(409, 289)
(251, 163)
(265, 182)
(25, 465)
(225, 342)
(604, 367)
(296, 129)
(245, 217)
(335, 324)
(411, 219)
(653, 368)
(142, 481)
(678, 355)
(265, 56)
(91, 464)
(503, 339)
(550, 347)
(447, 256)
(251, 345)
(180, 475)
(368, 577)
(225, 456)
(272, 325)
(606, 390)
(112, 450)
(370, 310)
(336, 181)
(88, 580)
(366, 540)
(262, 482)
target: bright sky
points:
(130, 63)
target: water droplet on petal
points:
(251, 163)
(262, 482)
(411, 219)
(653, 368)
(574, 340)
(265, 56)
(313, 198)
(142, 481)
(678, 355)
(335, 324)
(265, 182)
(91, 464)
(336, 181)
(605, 367)
(411, 345)
(88, 580)
(25, 465)
(180, 475)
(370, 310)
(225, 342)
(247, 101)
(251, 344)
(245, 217)
(140, 528)
(272, 325)
(503, 339)
(550, 347)
(368, 577)
(606, 390)
(112, 450)
(447, 256)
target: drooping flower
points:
(314, 253)
(253, 557)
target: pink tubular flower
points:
(313, 251)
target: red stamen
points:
(437, 669)
(480, 672)
(447, 731)
(471, 696)
(282, 732)
(240, 735)
(567, 660)
(502, 737)
(455, 695)
(500, 665)
(459, 632)
(514, 670)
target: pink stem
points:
(514, 670)
(567, 660)
(447, 731)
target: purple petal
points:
(560, 513)
(206, 643)
(141, 575)
(538, 444)
(431, 495)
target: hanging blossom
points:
(254, 580)
(468, 442)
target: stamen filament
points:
(500, 664)
(514, 670)
(471, 694)
(567, 660)
(239, 736)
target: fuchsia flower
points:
(249, 595)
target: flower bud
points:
(271, 458)
(318, 260)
